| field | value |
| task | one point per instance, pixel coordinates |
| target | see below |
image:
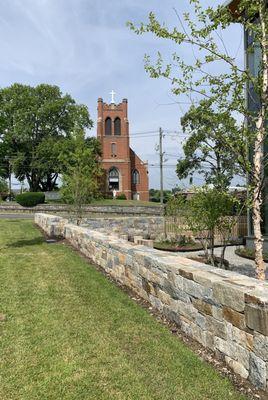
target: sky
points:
(85, 48)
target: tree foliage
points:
(82, 172)
(207, 211)
(155, 195)
(215, 147)
(34, 122)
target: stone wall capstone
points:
(224, 311)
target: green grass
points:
(71, 334)
(102, 202)
(108, 202)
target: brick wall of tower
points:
(142, 186)
(123, 158)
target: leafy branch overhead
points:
(212, 73)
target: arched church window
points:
(108, 126)
(135, 177)
(117, 126)
(113, 179)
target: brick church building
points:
(125, 171)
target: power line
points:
(142, 133)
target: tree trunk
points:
(258, 149)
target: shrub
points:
(3, 189)
(121, 196)
(3, 196)
(30, 199)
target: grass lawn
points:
(102, 202)
(109, 202)
(71, 334)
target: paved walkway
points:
(237, 263)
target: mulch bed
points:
(241, 254)
(185, 248)
(179, 248)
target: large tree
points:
(216, 146)
(214, 74)
(34, 121)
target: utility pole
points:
(161, 155)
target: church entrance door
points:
(113, 179)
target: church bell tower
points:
(113, 133)
(126, 173)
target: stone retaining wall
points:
(148, 227)
(120, 210)
(224, 311)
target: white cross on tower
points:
(112, 93)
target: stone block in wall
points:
(209, 340)
(257, 371)
(258, 296)
(156, 302)
(172, 316)
(206, 277)
(148, 286)
(217, 328)
(229, 295)
(167, 300)
(151, 276)
(124, 236)
(137, 239)
(217, 313)
(147, 242)
(175, 279)
(186, 326)
(237, 367)
(198, 334)
(257, 318)
(234, 317)
(175, 292)
(239, 336)
(234, 351)
(260, 346)
(196, 290)
(201, 321)
(187, 310)
(202, 306)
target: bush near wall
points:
(121, 196)
(3, 196)
(30, 199)
(3, 189)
